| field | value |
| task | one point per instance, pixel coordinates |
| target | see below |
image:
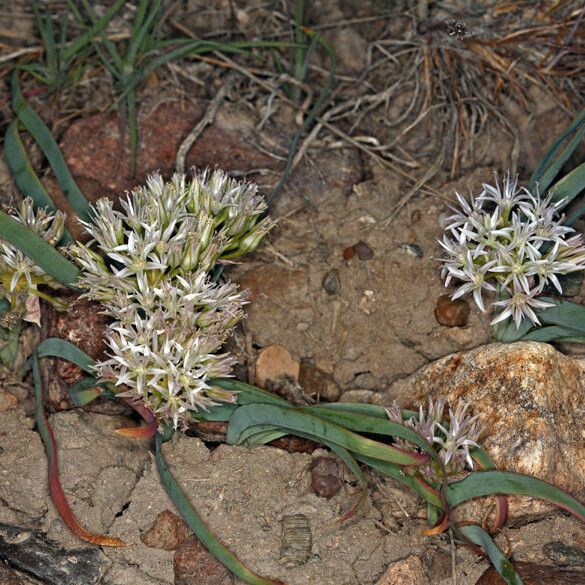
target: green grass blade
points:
(502, 565)
(295, 421)
(42, 253)
(553, 160)
(88, 36)
(488, 483)
(142, 25)
(39, 131)
(196, 524)
(569, 186)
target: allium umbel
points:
(510, 239)
(451, 436)
(148, 265)
(20, 277)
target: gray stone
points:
(32, 554)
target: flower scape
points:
(509, 241)
(148, 265)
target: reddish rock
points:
(275, 362)
(533, 574)
(83, 325)
(325, 479)
(452, 313)
(294, 444)
(407, 571)
(348, 253)
(168, 532)
(95, 147)
(194, 565)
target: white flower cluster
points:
(453, 437)
(510, 239)
(148, 265)
(20, 277)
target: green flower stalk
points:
(20, 277)
(148, 265)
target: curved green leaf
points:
(38, 250)
(555, 158)
(39, 131)
(61, 348)
(196, 524)
(295, 421)
(24, 175)
(502, 565)
(567, 188)
(246, 392)
(370, 424)
(489, 483)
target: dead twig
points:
(207, 119)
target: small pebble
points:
(348, 253)
(452, 313)
(331, 282)
(363, 251)
(412, 249)
(325, 479)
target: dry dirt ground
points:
(347, 284)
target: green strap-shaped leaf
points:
(38, 250)
(370, 424)
(488, 483)
(24, 175)
(295, 421)
(39, 131)
(567, 188)
(551, 163)
(61, 348)
(246, 392)
(80, 42)
(196, 524)
(502, 565)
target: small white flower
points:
(509, 239)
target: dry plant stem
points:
(225, 61)
(203, 123)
